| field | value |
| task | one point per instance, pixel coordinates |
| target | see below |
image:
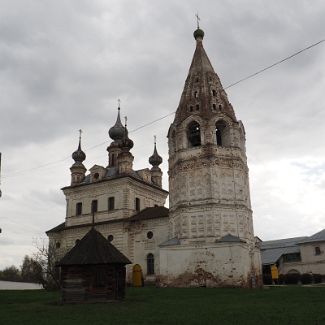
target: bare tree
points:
(45, 256)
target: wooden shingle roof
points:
(93, 249)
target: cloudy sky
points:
(64, 64)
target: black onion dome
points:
(199, 33)
(126, 142)
(155, 159)
(116, 132)
(79, 155)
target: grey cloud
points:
(64, 64)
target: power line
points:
(276, 63)
(169, 114)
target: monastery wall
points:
(208, 265)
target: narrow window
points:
(317, 251)
(214, 93)
(94, 206)
(111, 203)
(196, 79)
(196, 94)
(218, 137)
(194, 134)
(78, 208)
(220, 107)
(149, 234)
(113, 160)
(221, 127)
(57, 245)
(137, 204)
(150, 264)
(191, 108)
(214, 107)
(197, 107)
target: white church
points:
(206, 236)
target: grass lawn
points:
(277, 305)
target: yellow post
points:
(137, 276)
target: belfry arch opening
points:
(194, 134)
(222, 134)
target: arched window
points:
(150, 264)
(113, 160)
(218, 137)
(111, 203)
(137, 204)
(220, 133)
(94, 206)
(78, 208)
(194, 134)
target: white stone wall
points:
(209, 190)
(129, 237)
(141, 245)
(310, 262)
(209, 199)
(211, 265)
(124, 190)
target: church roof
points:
(93, 248)
(150, 213)
(57, 228)
(287, 242)
(230, 239)
(271, 256)
(171, 242)
(272, 250)
(319, 236)
(203, 93)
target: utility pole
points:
(0, 178)
(0, 183)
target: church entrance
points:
(137, 276)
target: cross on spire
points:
(197, 20)
(155, 139)
(80, 132)
(118, 104)
(125, 120)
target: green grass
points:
(278, 305)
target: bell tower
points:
(210, 218)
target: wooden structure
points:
(93, 271)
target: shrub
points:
(317, 278)
(267, 279)
(306, 278)
(292, 278)
(281, 279)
